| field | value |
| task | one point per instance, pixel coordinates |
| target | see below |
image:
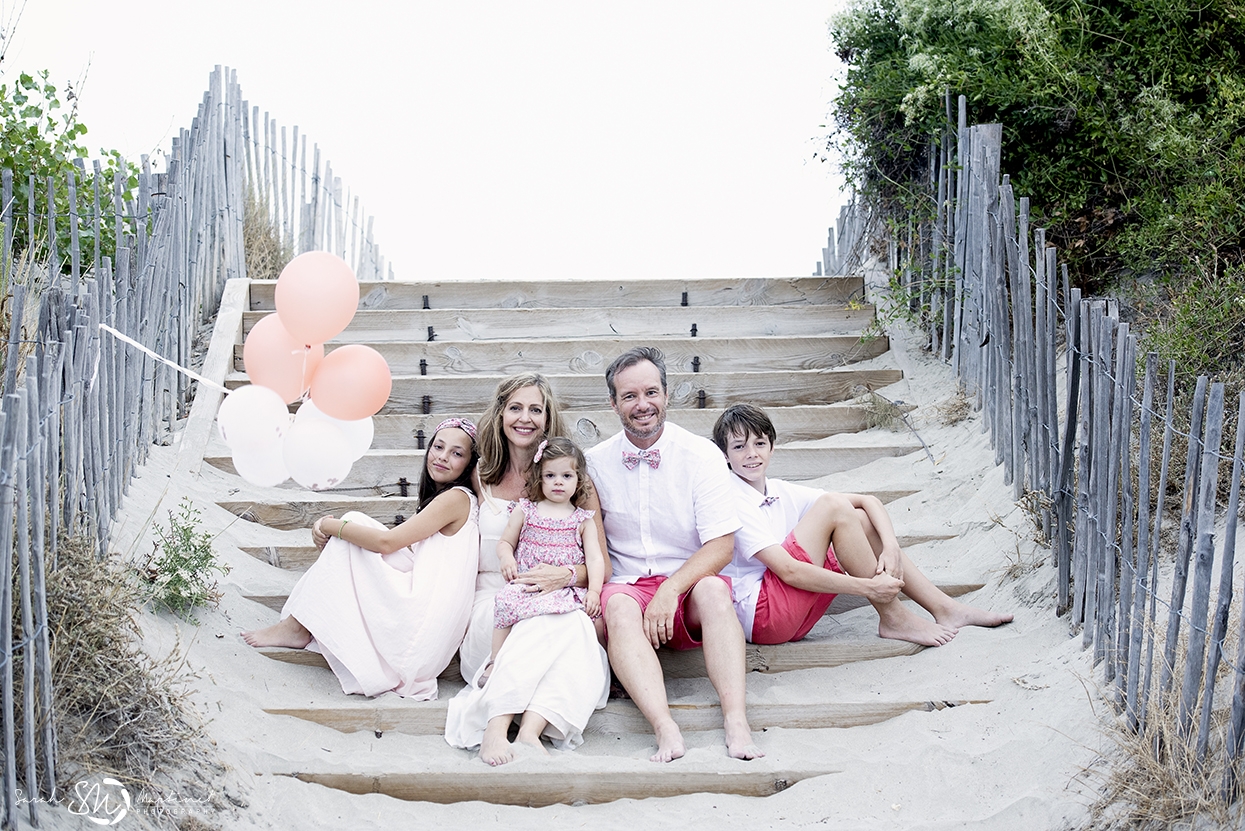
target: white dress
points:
(550, 664)
(392, 622)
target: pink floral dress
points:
(542, 540)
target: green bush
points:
(180, 568)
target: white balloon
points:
(317, 454)
(358, 434)
(264, 466)
(252, 417)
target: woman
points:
(388, 607)
(552, 670)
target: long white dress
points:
(550, 664)
(390, 623)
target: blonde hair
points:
(559, 448)
(494, 449)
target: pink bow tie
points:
(769, 500)
(632, 460)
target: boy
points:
(831, 543)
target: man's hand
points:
(882, 588)
(890, 562)
(659, 616)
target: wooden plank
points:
(591, 294)
(513, 785)
(301, 508)
(382, 468)
(509, 324)
(427, 718)
(470, 394)
(592, 357)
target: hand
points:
(317, 534)
(543, 578)
(659, 616)
(882, 588)
(592, 604)
(890, 562)
(509, 568)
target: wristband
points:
(342, 528)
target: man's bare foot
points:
(669, 743)
(961, 614)
(495, 748)
(287, 632)
(903, 625)
(739, 743)
(532, 742)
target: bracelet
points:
(342, 528)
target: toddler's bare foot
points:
(902, 625)
(739, 744)
(961, 614)
(669, 743)
(287, 632)
(484, 676)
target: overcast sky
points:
(499, 138)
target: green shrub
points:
(180, 568)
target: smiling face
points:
(749, 457)
(449, 455)
(640, 402)
(524, 419)
(558, 479)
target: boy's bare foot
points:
(739, 744)
(495, 748)
(286, 632)
(961, 614)
(669, 743)
(903, 625)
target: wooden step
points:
(518, 785)
(592, 357)
(632, 322)
(805, 654)
(591, 294)
(468, 394)
(382, 468)
(299, 509)
(427, 718)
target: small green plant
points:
(180, 566)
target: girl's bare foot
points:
(961, 614)
(531, 742)
(739, 743)
(902, 625)
(286, 632)
(495, 747)
(669, 743)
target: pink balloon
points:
(316, 296)
(352, 383)
(275, 360)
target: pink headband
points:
(464, 424)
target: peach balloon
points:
(275, 360)
(316, 296)
(352, 383)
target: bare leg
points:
(499, 637)
(495, 748)
(710, 609)
(530, 728)
(286, 632)
(636, 667)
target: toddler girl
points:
(552, 530)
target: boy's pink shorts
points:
(642, 592)
(785, 613)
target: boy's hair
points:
(558, 448)
(635, 355)
(742, 420)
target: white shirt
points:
(656, 519)
(762, 526)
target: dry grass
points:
(880, 411)
(953, 410)
(266, 255)
(33, 275)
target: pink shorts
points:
(642, 592)
(785, 613)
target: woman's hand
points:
(544, 578)
(317, 533)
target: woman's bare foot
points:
(484, 676)
(902, 625)
(669, 743)
(495, 747)
(739, 744)
(286, 632)
(531, 742)
(961, 614)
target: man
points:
(669, 519)
(831, 543)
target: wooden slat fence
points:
(81, 409)
(999, 312)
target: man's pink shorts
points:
(642, 592)
(785, 613)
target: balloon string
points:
(196, 376)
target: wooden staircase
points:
(794, 346)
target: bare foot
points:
(903, 625)
(484, 676)
(495, 748)
(669, 743)
(961, 614)
(532, 742)
(739, 743)
(287, 632)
